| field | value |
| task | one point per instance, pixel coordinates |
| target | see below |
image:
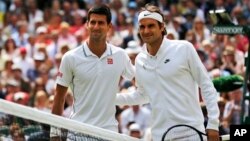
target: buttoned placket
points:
(151, 63)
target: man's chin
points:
(146, 40)
(96, 36)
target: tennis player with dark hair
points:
(168, 73)
(93, 71)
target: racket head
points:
(183, 132)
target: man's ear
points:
(87, 24)
(162, 26)
(110, 25)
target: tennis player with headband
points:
(168, 74)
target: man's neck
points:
(154, 47)
(97, 47)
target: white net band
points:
(61, 122)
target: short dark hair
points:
(152, 8)
(102, 9)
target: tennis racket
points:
(183, 132)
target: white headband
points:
(152, 15)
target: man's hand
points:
(213, 135)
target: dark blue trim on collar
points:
(83, 50)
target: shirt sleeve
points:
(65, 74)
(208, 92)
(133, 98)
(136, 97)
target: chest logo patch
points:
(109, 60)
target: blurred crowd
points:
(34, 35)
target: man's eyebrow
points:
(147, 25)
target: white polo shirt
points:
(94, 82)
(169, 81)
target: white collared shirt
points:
(169, 81)
(94, 83)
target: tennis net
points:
(35, 125)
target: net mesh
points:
(26, 123)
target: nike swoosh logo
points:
(147, 14)
(166, 61)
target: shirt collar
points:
(161, 49)
(87, 52)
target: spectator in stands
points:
(201, 31)
(228, 60)
(34, 15)
(21, 98)
(33, 73)
(55, 22)
(138, 114)
(208, 47)
(41, 101)
(42, 37)
(42, 48)
(2, 91)
(11, 23)
(135, 131)
(16, 133)
(133, 49)
(50, 102)
(114, 37)
(12, 87)
(65, 37)
(232, 111)
(78, 23)
(48, 81)
(30, 47)
(6, 73)
(2, 58)
(53, 71)
(17, 75)
(37, 86)
(10, 48)
(21, 36)
(190, 36)
(64, 49)
(23, 61)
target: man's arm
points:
(209, 94)
(57, 109)
(132, 98)
(59, 99)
